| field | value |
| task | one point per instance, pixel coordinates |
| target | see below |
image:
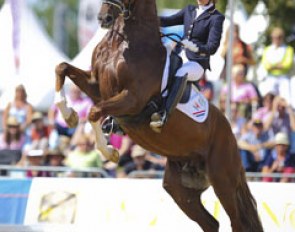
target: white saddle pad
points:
(197, 108)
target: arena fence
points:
(15, 171)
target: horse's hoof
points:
(73, 120)
(114, 154)
(156, 126)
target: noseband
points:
(124, 11)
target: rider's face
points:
(203, 2)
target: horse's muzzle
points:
(106, 20)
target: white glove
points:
(189, 45)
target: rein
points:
(170, 36)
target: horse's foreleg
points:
(68, 113)
(108, 151)
(81, 79)
(117, 104)
(121, 104)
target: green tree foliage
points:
(221, 5)
(281, 12)
(45, 12)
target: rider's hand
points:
(189, 45)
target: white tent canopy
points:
(7, 67)
(38, 58)
(83, 59)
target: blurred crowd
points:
(262, 119)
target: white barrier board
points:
(143, 205)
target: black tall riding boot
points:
(174, 96)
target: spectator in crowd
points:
(255, 146)
(139, 163)
(282, 117)
(13, 137)
(242, 92)
(85, 129)
(55, 158)
(280, 160)
(39, 136)
(238, 122)
(206, 87)
(277, 60)
(35, 158)
(157, 160)
(84, 155)
(19, 108)
(12, 142)
(80, 103)
(242, 52)
(264, 112)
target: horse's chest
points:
(107, 71)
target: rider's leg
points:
(190, 71)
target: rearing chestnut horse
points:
(127, 67)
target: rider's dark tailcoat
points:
(204, 31)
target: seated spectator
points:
(13, 137)
(238, 122)
(55, 158)
(206, 87)
(255, 146)
(19, 108)
(36, 158)
(40, 133)
(264, 112)
(157, 160)
(242, 92)
(282, 117)
(280, 160)
(139, 163)
(84, 155)
(80, 103)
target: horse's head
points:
(112, 9)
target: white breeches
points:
(193, 70)
(277, 85)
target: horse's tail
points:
(247, 206)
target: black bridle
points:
(124, 11)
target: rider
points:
(203, 26)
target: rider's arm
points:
(176, 19)
(214, 36)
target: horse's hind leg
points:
(228, 180)
(188, 199)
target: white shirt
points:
(201, 9)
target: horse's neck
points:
(142, 29)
